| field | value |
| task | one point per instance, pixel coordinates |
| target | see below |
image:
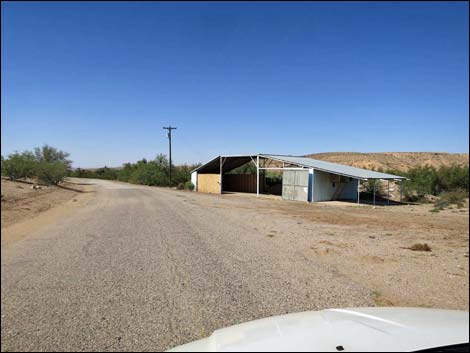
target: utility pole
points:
(169, 128)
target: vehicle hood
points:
(355, 330)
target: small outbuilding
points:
(299, 178)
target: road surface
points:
(140, 268)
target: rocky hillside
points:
(393, 160)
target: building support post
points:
(310, 184)
(220, 179)
(358, 190)
(401, 191)
(257, 175)
(375, 181)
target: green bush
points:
(19, 165)
(181, 173)
(247, 168)
(51, 172)
(420, 247)
(441, 204)
(50, 154)
(154, 172)
(369, 187)
(189, 185)
(125, 173)
(456, 197)
(81, 173)
(151, 173)
(272, 177)
(452, 178)
(106, 173)
(428, 180)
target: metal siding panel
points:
(288, 192)
(288, 177)
(300, 193)
(301, 177)
(295, 185)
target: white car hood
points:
(355, 330)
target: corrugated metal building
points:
(303, 179)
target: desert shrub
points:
(180, 174)
(420, 247)
(452, 178)
(180, 186)
(19, 165)
(154, 173)
(50, 154)
(456, 197)
(247, 168)
(369, 187)
(423, 181)
(125, 173)
(428, 180)
(441, 204)
(48, 164)
(189, 185)
(51, 172)
(81, 173)
(105, 173)
(272, 177)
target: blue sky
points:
(99, 80)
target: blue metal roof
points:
(334, 168)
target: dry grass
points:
(327, 242)
(420, 247)
(380, 300)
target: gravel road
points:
(140, 268)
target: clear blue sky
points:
(99, 80)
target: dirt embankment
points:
(27, 206)
(393, 160)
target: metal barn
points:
(303, 179)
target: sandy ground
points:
(143, 268)
(20, 202)
(369, 246)
(26, 210)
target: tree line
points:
(154, 172)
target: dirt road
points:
(141, 268)
(146, 269)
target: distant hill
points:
(393, 160)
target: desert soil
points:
(21, 202)
(143, 268)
